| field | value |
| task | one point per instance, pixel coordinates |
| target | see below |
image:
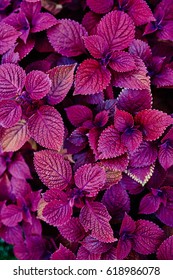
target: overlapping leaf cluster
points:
(86, 131)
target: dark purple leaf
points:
(63, 254)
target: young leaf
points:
(8, 36)
(10, 113)
(91, 77)
(62, 80)
(100, 7)
(63, 254)
(66, 37)
(37, 84)
(78, 114)
(95, 217)
(46, 127)
(52, 169)
(165, 251)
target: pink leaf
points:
(55, 194)
(25, 48)
(95, 246)
(47, 128)
(101, 118)
(84, 254)
(148, 236)
(122, 120)
(90, 179)
(165, 251)
(8, 36)
(100, 7)
(62, 80)
(91, 77)
(135, 79)
(96, 45)
(66, 37)
(13, 138)
(122, 62)
(52, 169)
(63, 254)
(11, 215)
(90, 22)
(93, 138)
(119, 163)
(153, 123)
(37, 84)
(72, 230)
(123, 248)
(109, 144)
(12, 80)
(78, 114)
(10, 113)
(95, 217)
(121, 30)
(42, 22)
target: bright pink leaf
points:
(91, 77)
(8, 36)
(37, 84)
(90, 179)
(165, 251)
(47, 128)
(122, 62)
(63, 254)
(78, 114)
(95, 217)
(121, 30)
(72, 230)
(66, 37)
(12, 80)
(100, 7)
(96, 45)
(52, 169)
(153, 123)
(10, 113)
(62, 80)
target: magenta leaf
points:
(128, 225)
(95, 246)
(19, 187)
(132, 139)
(135, 79)
(42, 22)
(165, 251)
(141, 49)
(123, 248)
(37, 84)
(165, 155)
(2, 165)
(12, 80)
(11, 235)
(101, 118)
(95, 217)
(153, 123)
(110, 144)
(91, 77)
(78, 114)
(122, 120)
(90, 179)
(8, 36)
(149, 204)
(164, 212)
(141, 175)
(4, 4)
(46, 127)
(122, 62)
(93, 138)
(119, 37)
(13, 138)
(5, 190)
(164, 78)
(90, 22)
(18, 168)
(66, 37)
(24, 49)
(131, 185)
(96, 45)
(100, 7)
(119, 163)
(11, 215)
(72, 230)
(84, 254)
(62, 80)
(10, 113)
(148, 236)
(54, 194)
(63, 254)
(52, 169)
(111, 254)
(133, 101)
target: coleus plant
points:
(86, 131)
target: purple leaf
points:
(128, 225)
(149, 204)
(90, 179)
(2, 165)
(141, 49)
(66, 37)
(84, 254)
(110, 144)
(123, 248)
(46, 127)
(101, 118)
(96, 45)
(52, 169)
(95, 246)
(122, 62)
(63, 254)
(91, 77)
(12, 80)
(42, 22)
(11, 235)
(101, 7)
(111, 254)
(20, 187)
(123, 120)
(37, 84)
(165, 213)
(132, 139)
(90, 22)
(4, 4)
(10, 113)
(11, 215)
(72, 230)
(148, 236)
(78, 137)
(119, 37)
(131, 185)
(13, 138)
(5, 187)
(165, 251)
(93, 138)
(164, 78)
(95, 217)
(31, 8)
(55, 194)
(8, 36)
(165, 155)
(78, 114)
(153, 123)
(18, 168)
(24, 49)
(119, 163)
(141, 175)
(62, 80)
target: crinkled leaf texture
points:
(100, 7)
(95, 217)
(63, 254)
(122, 62)
(90, 179)
(37, 84)
(10, 113)
(8, 37)
(121, 30)
(91, 77)
(47, 128)
(53, 169)
(72, 230)
(165, 251)
(78, 114)
(96, 45)
(11, 215)
(13, 138)
(12, 80)
(62, 80)
(141, 174)
(66, 37)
